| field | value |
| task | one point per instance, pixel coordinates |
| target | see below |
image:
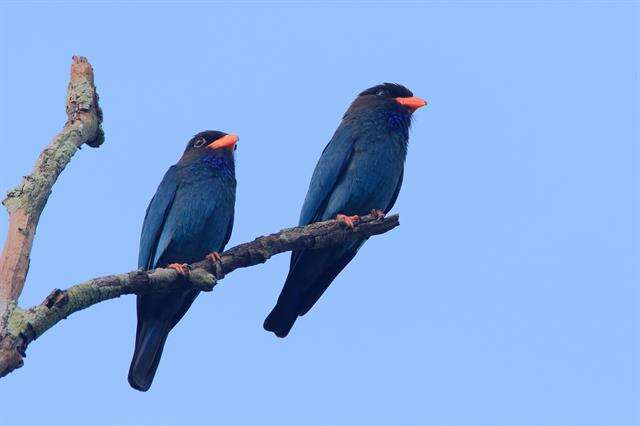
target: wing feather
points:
(333, 162)
(154, 219)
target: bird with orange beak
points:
(359, 172)
(189, 218)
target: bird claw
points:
(378, 214)
(214, 257)
(350, 221)
(180, 268)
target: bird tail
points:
(150, 341)
(281, 319)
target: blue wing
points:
(155, 217)
(332, 163)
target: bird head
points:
(389, 95)
(210, 143)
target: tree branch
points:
(26, 202)
(24, 326)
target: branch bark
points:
(19, 327)
(26, 202)
(26, 325)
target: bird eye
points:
(381, 93)
(199, 143)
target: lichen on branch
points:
(26, 202)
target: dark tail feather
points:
(281, 319)
(149, 344)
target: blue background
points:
(508, 296)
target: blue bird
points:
(189, 218)
(359, 172)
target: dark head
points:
(386, 105)
(205, 142)
(210, 143)
(390, 95)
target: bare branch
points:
(26, 202)
(24, 326)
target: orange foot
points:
(350, 221)
(214, 257)
(180, 268)
(378, 214)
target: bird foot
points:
(214, 257)
(180, 268)
(378, 214)
(350, 221)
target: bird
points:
(360, 171)
(189, 218)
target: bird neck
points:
(388, 121)
(208, 160)
(396, 121)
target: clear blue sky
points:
(508, 296)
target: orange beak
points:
(412, 102)
(227, 141)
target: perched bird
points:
(359, 172)
(189, 218)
